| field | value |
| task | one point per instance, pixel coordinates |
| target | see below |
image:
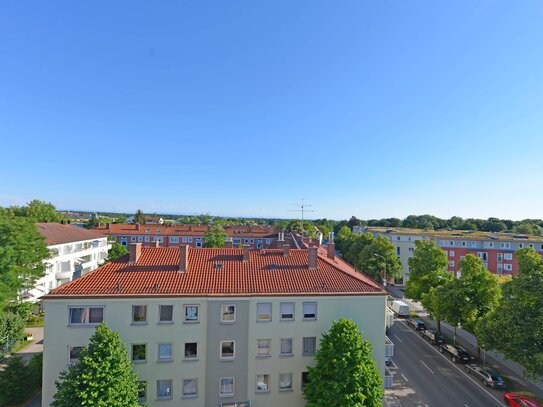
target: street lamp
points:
(385, 274)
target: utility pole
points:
(302, 208)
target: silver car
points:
(488, 376)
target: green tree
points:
(117, 250)
(379, 257)
(515, 326)
(14, 382)
(215, 237)
(11, 329)
(22, 251)
(38, 211)
(102, 378)
(346, 374)
(139, 217)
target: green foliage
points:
(38, 211)
(11, 329)
(14, 382)
(215, 237)
(427, 266)
(139, 217)
(346, 374)
(22, 251)
(117, 250)
(102, 378)
(24, 309)
(35, 370)
(515, 327)
(379, 257)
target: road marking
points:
(403, 377)
(465, 405)
(398, 338)
(426, 366)
(473, 381)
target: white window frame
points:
(168, 397)
(86, 312)
(147, 239)
(144, 322)
(229, 394)
(508, 256)
(191, 321)
(279, 382)
(308, 304)
(189, 395)
(228, 321)
(221, 357)
(451, 253)
(474, 244)
(159, 314)
(140, 238)
(281, 313)
(264, 316)
(132, 238)
(281, 347)
(174, 239)
(266, 382)
(258, 347)
(165, 359)
(508, 267)
(313, 340)
(184, 239)
(451, 263)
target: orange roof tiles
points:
(268, 272)
(58, 233)
(187, 230)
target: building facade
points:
(214, 327)
(74, 252)
(496, 250)
(257, 237)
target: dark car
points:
(417, 324)
(458, 354)
(434, 337)
(488, 376)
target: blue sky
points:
(366, 108)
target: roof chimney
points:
(331, 252)
(286, 250)
(246, 253)
(108, 226)
(330, 237)
(183, 258)
(312, 258)
(135, 252)
(229, 244)
(156, 243)
(137, 226)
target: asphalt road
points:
(423, 377)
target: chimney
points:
(229, 244)
(183, 258)
(135, 252)
(246, 253)
(156, 243)
(108, 225)
(137, 226)
(312, 258)
(286, 250)
(330, 237)
(331, 252)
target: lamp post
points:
(385, 274)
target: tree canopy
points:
(103, 377)
(139, 217)
(38, 211)
(215, 237)
(117, 250)
(346, 374)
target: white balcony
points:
(63, 275)
(389, 380)
(389, 347)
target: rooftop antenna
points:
(302, 208)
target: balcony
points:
(389, 380)
(389, 347)
(63, 275)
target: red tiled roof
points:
(268, 272)
(187, 230)
(58, 233)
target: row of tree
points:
(505, 317)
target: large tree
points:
(139, 217)
(515, 326)
(215, 237)
(378, 259)
(103, 377)
(38, 211)
(346, 374)
(22, 251)
(117, 250)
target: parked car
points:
(417, 324)
(518, 400)
(488, 376)
(458, 354)
(434, 337)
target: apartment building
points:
(74, 252)
(497, 250)
(257, 237)
(214, 327)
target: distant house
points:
(149, 220)
(74, 252)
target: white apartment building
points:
(74, 252)
(214, 327)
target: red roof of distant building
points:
(187, 230)
(58, 233)
(268, 272)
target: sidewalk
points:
(468, 341)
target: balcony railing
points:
(389, 347)
(389, 379)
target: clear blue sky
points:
(366, 108)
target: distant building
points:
(497, 250)
(74, 252)
(215, 327)
(258, 237)
(149, 220)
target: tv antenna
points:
(302, 209)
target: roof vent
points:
(218, 266)
(274, 266)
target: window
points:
(499, 257)
(164, 352)
(286, 347)
(309, 345)
(451, 243)
(132, 238)
(508, 256)
(473, 244)
(464, 244)
(285, 381)
(165, 313)
(520, 245)
(268, 241)
(86, 315)
(147, 238)
(305, 379)
(263, 347)
(262, 383)
(226, 387)
(190, 239)
(190, 388)
(74, 354)
(191, 313)
(287, 311)
(310, 310)
(228, 349)
(508, 267)
(159, 238)
(142, 391)
(140, 238)
(139, 314)
(139, 353)
(184, 239)
(397, 251)
(191, 350)
(264, 312)
(174, 239)
(451, 253)
(228, 313)
(163, 389)
(451, 263)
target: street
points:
(423, 377)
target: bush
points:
(13, 382)
(35, 370)
(11, 329)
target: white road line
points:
(398, 338)
(426, 366)
(459, 369)
(465, 405)
(403, 377)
